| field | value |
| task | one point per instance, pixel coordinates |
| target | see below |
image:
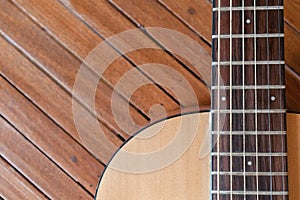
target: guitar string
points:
(230, 64)
(255, 91)
(280, 102)
(219, 98)
(244, 118)
(269, 97)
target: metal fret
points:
(249, 154)
(249, 87)
(249, 132)
(250, 173)
(251, 111)
(249, 8)
(247, 52)
(263, 62)
(240, 36)
(269, 193)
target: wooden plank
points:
(107, 23)
(292, 90)
(142, 13)
(292, 14)
(15, 186)
(49, 138)
(292, 48)
(50, 98)
(70, 31)
(197, 15)
(149, 13)
(293, 138)
(54, 60)
(36, 167)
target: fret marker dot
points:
(249, 163)
(248, 21)
(223, 99)
(273, 98)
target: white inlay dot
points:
(273, 98)
(249, 163)
(223, 99)
(248, 21)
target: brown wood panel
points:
(151, 14)
(48, 137)
(189, 12)
(293, 138)
(36, 167)
(108, 23)
(292, 90)
(68, 29)
(292, 48)
(15, 186)
(291, 13)
(61, 65)
(50, 97)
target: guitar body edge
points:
(188, 177)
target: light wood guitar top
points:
(188, 177)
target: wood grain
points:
(36, 167)
(292, 86)
(49, 97)
(293, 124)
(292, 48)
(186, 178)
(291, 13)
(144, 13)
(60, 65)
(48, 137)
(68, 34)
(71, 30)
(176, 181)
(45, 43)
(15, 186)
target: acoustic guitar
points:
(237, 151)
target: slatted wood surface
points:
(43, 44)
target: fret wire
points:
(230, 121)
(257, 154)
(249, 132)
(264, 111)
(251, 8)
(273, 35)
(264, 62)
(224, 173)
(268, 193)
(249, 87)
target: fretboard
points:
(249, 155)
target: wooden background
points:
(43, 43)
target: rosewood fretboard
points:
(249, 158)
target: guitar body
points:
(188, 178)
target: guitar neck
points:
(249, 158)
